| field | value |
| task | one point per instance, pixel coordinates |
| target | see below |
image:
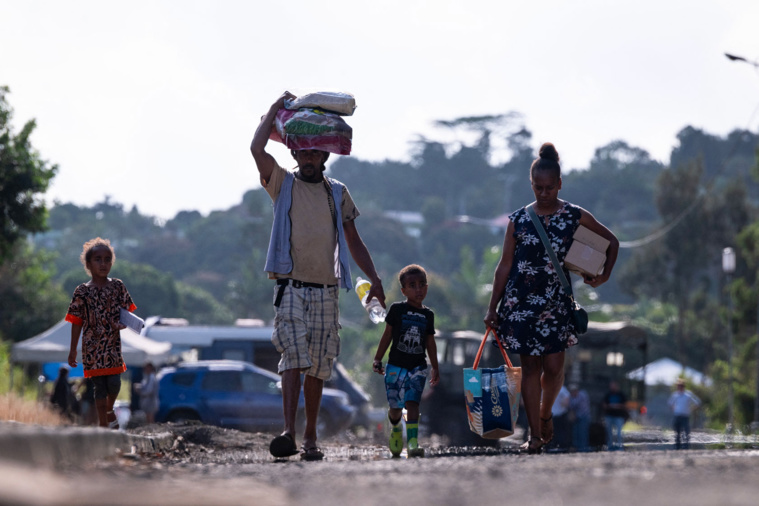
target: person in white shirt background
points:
(579, 417)
(560, 416)
(682, 402)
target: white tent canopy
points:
(53, 345)
(665, 371)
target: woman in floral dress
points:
(528, 307)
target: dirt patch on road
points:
(196, 445)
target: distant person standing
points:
(682, 402)
(560, 416)
(148, 390)
(86, 391)
(579, 415)
(94, 314)
(615, 414)
(313, 238)
(63, 397)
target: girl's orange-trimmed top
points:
(96, 309)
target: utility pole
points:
(728, 267)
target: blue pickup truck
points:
(240, 395)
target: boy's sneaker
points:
(396, 440)
(413, 448)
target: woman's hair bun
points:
(548, 152)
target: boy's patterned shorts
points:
(404, 386)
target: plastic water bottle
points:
(376, 312)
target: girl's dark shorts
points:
(107, 386)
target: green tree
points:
(24, 176)
(250, 293)
(681, 267)
(466, 293)
(514, 175)
(391, 246)
(730, 156)
(131, 233)
(620, 169)
(200, 307)
(31, 301)
(386, 185)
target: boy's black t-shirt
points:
(411, 326)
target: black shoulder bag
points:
(579, 315)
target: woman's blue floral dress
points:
(534, 311)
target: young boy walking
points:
(410, 334)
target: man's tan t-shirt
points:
(313, 237)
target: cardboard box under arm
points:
(587, 254)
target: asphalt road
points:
(214, 466)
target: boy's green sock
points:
(412, 435)
(412, 432)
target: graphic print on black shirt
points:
(411, 326)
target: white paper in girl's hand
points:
(130, 320)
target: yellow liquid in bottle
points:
(362, 289)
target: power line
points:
(669, 226)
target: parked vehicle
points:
(249, 343)
(240, 395)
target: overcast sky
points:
(155, 102)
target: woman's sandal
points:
(546, 429)
(533, 446)
(311, 454)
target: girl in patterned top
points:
(532, 315)
(94, 313)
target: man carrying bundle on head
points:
(312, 234)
